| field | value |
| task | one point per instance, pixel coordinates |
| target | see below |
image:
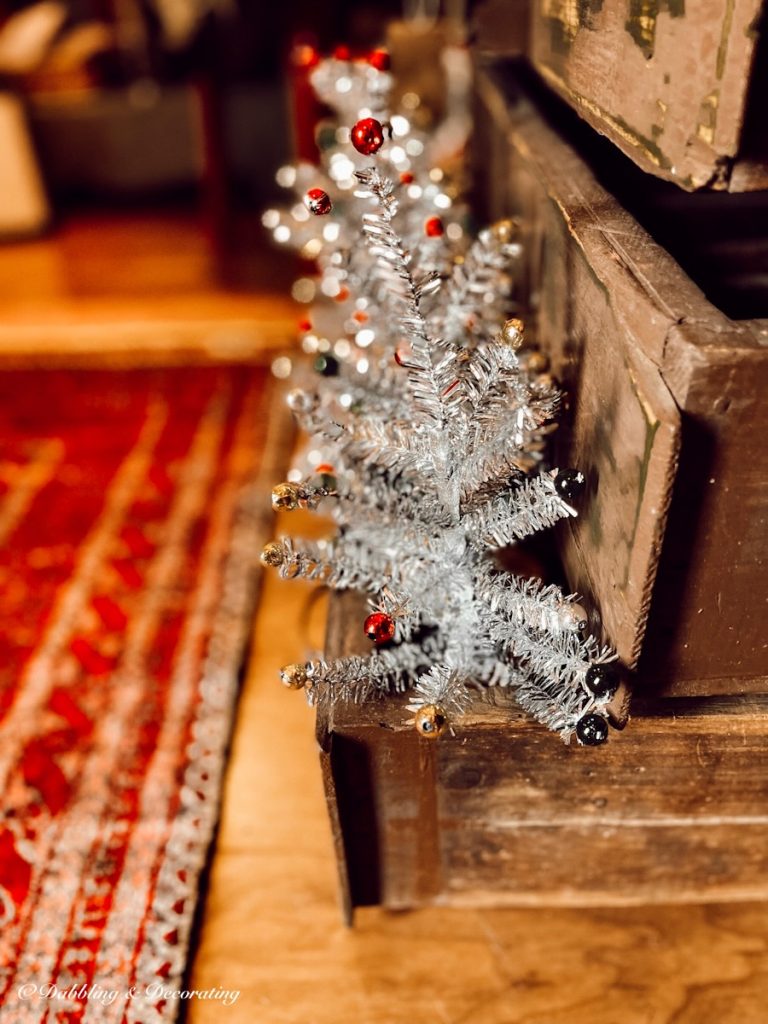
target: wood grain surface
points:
(126, 288)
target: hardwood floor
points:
(140, 287)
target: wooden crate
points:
(680, 88)
(666, 414)
(504, 814)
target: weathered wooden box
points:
(504, 814)
(666, 415)
(666, 395)
(680, 88)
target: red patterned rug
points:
(131, 520)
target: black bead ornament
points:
(592, 730)
(603, 680)
(570, 483)
(325, 483)
(327, 366)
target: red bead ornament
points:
(433, 227)
(305, 326)
(360, 316)
(406, 178)
(305, 56)
(343, 294)
(318, 202)
(368, 136)
(379, 627)
(380, 60)
(402, 353)
(342, 52)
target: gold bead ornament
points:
(512, 332)
(537, 362)
(505, 231)
(430, 722)
(285, 496)
(294, 676)
(272, 554)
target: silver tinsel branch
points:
(526, 508)
(429, 383)
(357, 679)
(478, 294)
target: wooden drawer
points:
(666, 414)
(680, 88)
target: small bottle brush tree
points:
(433, 445)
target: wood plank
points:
(707, 630)
(673, 810)
(621, 426)
(624, 434)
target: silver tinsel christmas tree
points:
(432, 420)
